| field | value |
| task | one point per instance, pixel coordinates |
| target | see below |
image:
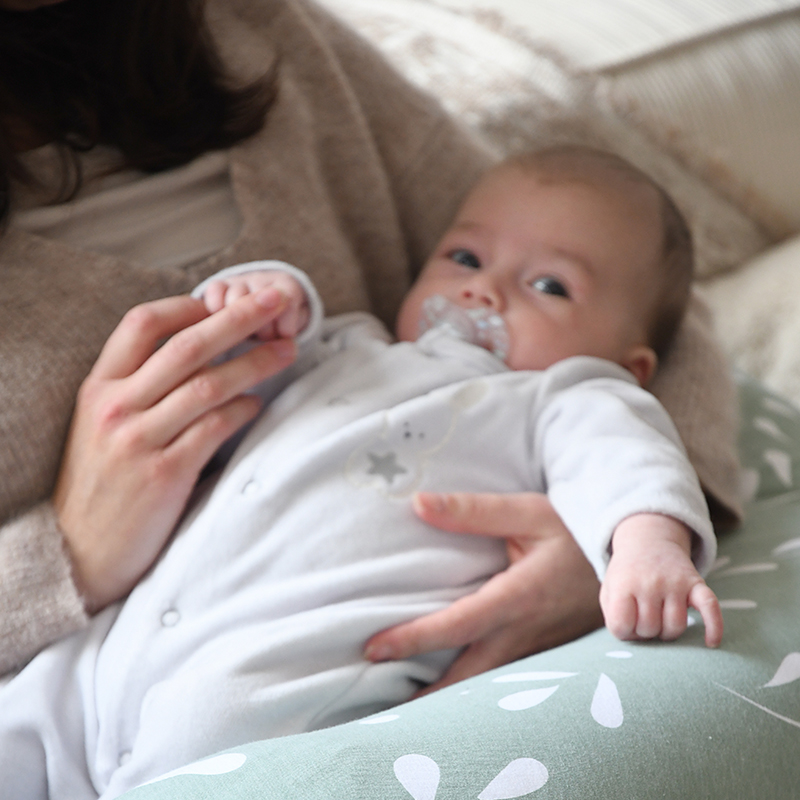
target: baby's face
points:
(568, 265)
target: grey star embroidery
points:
(386, 466)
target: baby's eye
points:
(466, 258)
(550, 285)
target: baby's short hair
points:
(677, 262)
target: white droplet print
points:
(788, 671)
(749, 484)
(719, 563)
(418, 775)
(522, 776)
(781, 464)
(738, 605)
(770, 427)
(521, 677)
(218, 765)
(620, 654)
(606, 705)
(785, 410)
(379, 720)
(519, 701)
(787, 547)
(747, 569)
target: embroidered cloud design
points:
(394, 459)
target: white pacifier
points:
(479, 326)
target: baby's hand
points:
(291, 321)
(651, 582)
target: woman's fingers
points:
(500, 515)
(144, 426)
(548, 594)
(199, 441)
(212, 388)
(194, 339)
(192, 348)
(464, 621)
(479, 657)
(139, 332)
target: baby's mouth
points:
(479, 326)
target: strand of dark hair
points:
(142, 76)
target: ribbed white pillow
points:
(598, 34)
(728, 102)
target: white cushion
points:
(757, 314)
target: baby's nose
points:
(482, 292)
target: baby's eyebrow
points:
(467, 227)
(577, 258)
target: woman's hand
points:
(146, 422)
(547, 596)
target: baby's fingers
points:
(705, 601)
(675, 617)
(620, 614)
(236, 291)
(292, 321)
(214, 296)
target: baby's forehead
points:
(613, 188)
(607, 174)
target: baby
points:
(523, 348)
(562, 253)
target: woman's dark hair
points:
(142, 76)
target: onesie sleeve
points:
(608, 450)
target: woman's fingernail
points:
(431, 501)
(379, 652)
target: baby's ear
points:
(642, 361)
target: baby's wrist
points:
(641, 530)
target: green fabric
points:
(596, 718)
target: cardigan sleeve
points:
(38, 599)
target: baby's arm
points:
(651, 582)
(224, 291)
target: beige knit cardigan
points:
(353, 178)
